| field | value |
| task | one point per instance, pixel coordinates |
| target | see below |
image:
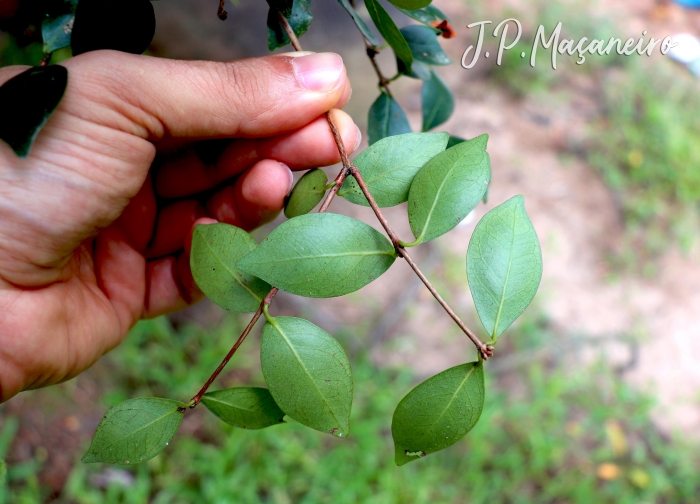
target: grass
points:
(548, 433)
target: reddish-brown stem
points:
(196, 399)
(485, 350)
(222, 10)
(45, 60)
(290, 32)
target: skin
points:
(95, 223)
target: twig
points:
(290, 32)
(485, 350)
(222, 11)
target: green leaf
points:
(418, 70)
(361, 25)
(438, 412)
(244, 407)
(427, 15)
(389, 166)
(447, 188)
(321, 255)
(386, 118)
(134, 431)
(424, 45)
(3, 472)
(299, 20)
(56, 32)
(504, 265)
(284, 6)
(308, 374)
(390, 32)
(216, 248)
(438, 102)
(411, 4)
(307, 193)
(27, 101)
(454, 140)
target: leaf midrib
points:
(133, 433)
(505, 283)
(306, 371)
(212, 399)
(233, 275)
(324, 256)
(454, 395)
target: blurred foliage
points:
(646, 146)
(549, 433)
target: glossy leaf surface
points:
(26, 103)
(438, 103)
(307, 193)
(134, 431)
(386, 118)
(300, 20)
(447, 188)
(504, 265)
(386, 26)
(308, 374)
(424, 45)
(244, 407)
(216, 248)
(321, 255)
(359, 22)
(438, 412)
(389, 166)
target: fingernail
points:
(358, 139)
(291, 178)
(318, 72)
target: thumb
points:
(202, 99)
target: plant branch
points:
(196, 399)
(485, 351)
(221, 12)
(290, 32)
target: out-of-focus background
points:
(594, 395)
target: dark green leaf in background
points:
(321, 255)
(361, 25)
(300, 20)
(390, 32)
(308, 374)
(437, 102)
(216, 248)
(121, 25)
(389, 166)
(134, 431)
(424, 45)
(504, 265)
(3, 472)
(411, 4)
(418, 70)
(454, 140)
(307, 193)
(244, 407)
(386, 118)
(284, 6)
(427, 15)
(56, 32)
(447, 188)
(26, 102)
(438, 412)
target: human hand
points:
(94, 223)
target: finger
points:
(170, 286)
(200, 99)
(256, 197)
(172, 228)
(138, 218)
(309, 147)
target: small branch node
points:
(223, 15)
